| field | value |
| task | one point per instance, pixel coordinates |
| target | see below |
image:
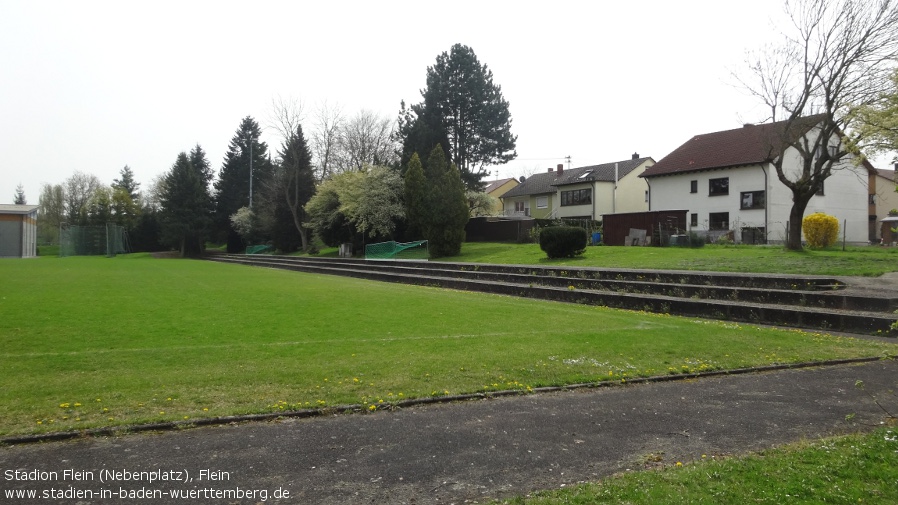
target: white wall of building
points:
(845, 197)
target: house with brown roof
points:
(728, 183)
(497, 189)
(583, 192)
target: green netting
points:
(108, 240)
(397, 251)
(258, 249)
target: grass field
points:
(859, 468)
(93, 341)
(865, 261)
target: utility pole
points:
(250, 141)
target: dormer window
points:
(586, 174)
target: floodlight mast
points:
(250, 172)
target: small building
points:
(18, 231)
(582, 192)
(657, 226)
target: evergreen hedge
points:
(563, 241)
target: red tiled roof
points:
(743, 146)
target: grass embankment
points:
(863, 261)
(851, 469)
(92, 341)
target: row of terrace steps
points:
(809, 302)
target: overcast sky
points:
(93, 86)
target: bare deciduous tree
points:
(79, 188)
(325, 138)
(366, 139)
(835, 58)
(51, 212)
(294, 178)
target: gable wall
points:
(886, 199)
(631, 192)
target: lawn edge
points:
(60, 436)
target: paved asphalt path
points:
(458, 453)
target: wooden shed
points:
(656, 223)
(18, 231)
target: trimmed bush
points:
(563, 241)
(696, 240)
(820, 230)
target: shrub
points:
(820, 230)
(563, 241)
(533, 234)
(696, 240)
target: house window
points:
(719, 221)
(754, 235)
(719, 186)
(519, 206)
(542, 202)
(752, 200)
(576, 197)
(693, 186)
(693, 220)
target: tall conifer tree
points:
(186, 205)
(245, 165)
(465, 112)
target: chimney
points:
(896, 167)
(635, 156)
(560, 168)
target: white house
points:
(727, 182)
(583, 192)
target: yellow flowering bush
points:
(820, 230)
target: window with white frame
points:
(542, 202)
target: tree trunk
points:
(796, 214)
(295, 209)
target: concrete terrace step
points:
(798, 301)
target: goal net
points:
(108, 240)
(397, 251)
